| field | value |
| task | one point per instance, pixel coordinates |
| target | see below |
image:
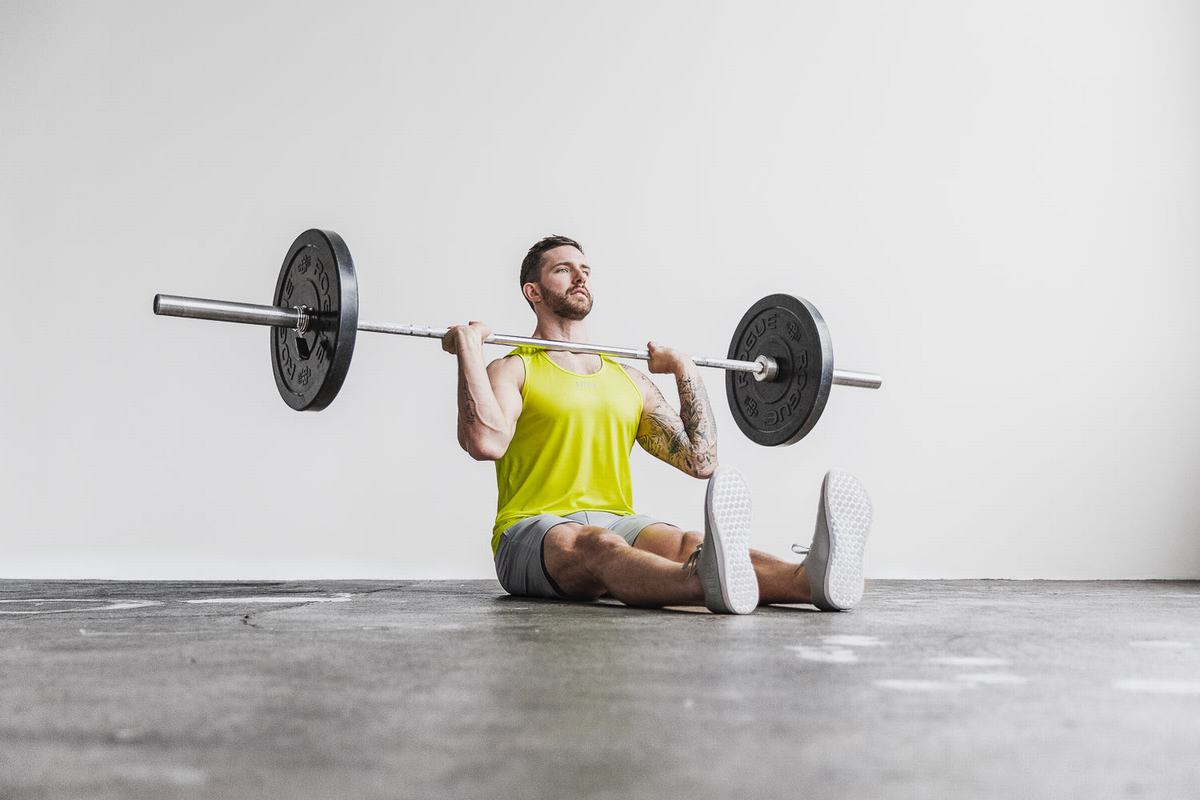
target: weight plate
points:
(317, 273)
(791, 331)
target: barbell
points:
(779, 368)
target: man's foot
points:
(723, 561)
(835, 559)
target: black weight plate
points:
(791, 331)
(318, 273)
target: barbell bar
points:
(782, 342)
(763, 368)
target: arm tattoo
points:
(466, 405)
(687, 440)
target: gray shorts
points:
(520, 562)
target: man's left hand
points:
(665, 360)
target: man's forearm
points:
(479, 413)
(696, 414)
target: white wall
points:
(994, 205)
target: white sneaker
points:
(723, 561)
(835, 559)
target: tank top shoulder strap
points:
(525, 352)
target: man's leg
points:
(586, 561)
(779, 581)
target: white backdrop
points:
(993, 204)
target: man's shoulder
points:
(642, 381)
(508, 367)
(508, 361)
(639, 377)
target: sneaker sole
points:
(848, 518)
(727, 517)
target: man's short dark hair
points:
(532, 263)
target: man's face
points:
(564, 283)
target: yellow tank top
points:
(570, 451)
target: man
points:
(560, 426)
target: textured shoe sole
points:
(734, 587)
(848, 517)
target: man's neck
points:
(567, 330)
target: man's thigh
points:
(568, 570)
(520, 561)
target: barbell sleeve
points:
(169, 305)
(862, 380)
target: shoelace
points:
(800, 549)
(693, 561)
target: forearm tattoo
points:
(687, 440)
(466, 404)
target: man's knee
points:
(594, 542)
(573, 551)
(572, 542)
(688, 544)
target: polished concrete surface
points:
(335, 689)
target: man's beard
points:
(567, 306)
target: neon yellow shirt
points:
(570, 450)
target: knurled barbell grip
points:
(764, 367)
(251, 314)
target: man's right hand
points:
(457, 334)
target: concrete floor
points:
(331, 689)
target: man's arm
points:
(489, 398)
(686, 440)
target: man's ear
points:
(532, 292)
